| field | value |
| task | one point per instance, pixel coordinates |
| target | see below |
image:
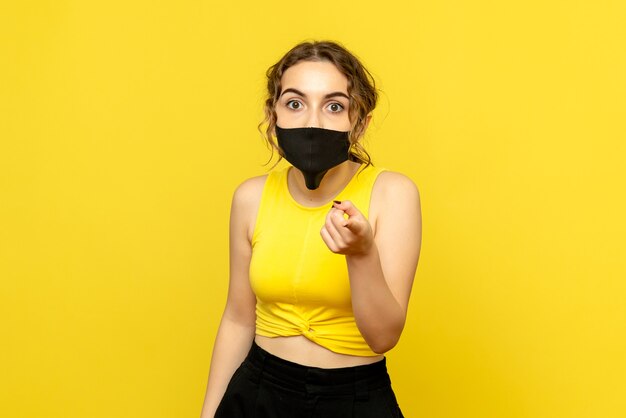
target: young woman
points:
(322, 256)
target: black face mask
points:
(313, 151)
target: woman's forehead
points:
(314, 77)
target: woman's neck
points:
(333, 182)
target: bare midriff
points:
(299, 349)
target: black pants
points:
(266, 386)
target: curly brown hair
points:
(361, 89)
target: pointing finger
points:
(347, 206)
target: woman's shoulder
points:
(395, 201)
(391, 184)
(249, 191)
(245, 205)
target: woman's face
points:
(314, 94)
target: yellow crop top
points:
(301, 287)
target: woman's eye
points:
(335, 107)
(294, 104)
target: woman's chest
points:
(291, 264)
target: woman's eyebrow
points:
(329, 95)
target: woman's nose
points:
(314, 120)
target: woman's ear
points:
(367, 122)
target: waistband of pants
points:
(297, 377)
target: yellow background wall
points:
(126, 125)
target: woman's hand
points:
(349, 236)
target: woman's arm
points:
(236, 330)
(381, 263)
